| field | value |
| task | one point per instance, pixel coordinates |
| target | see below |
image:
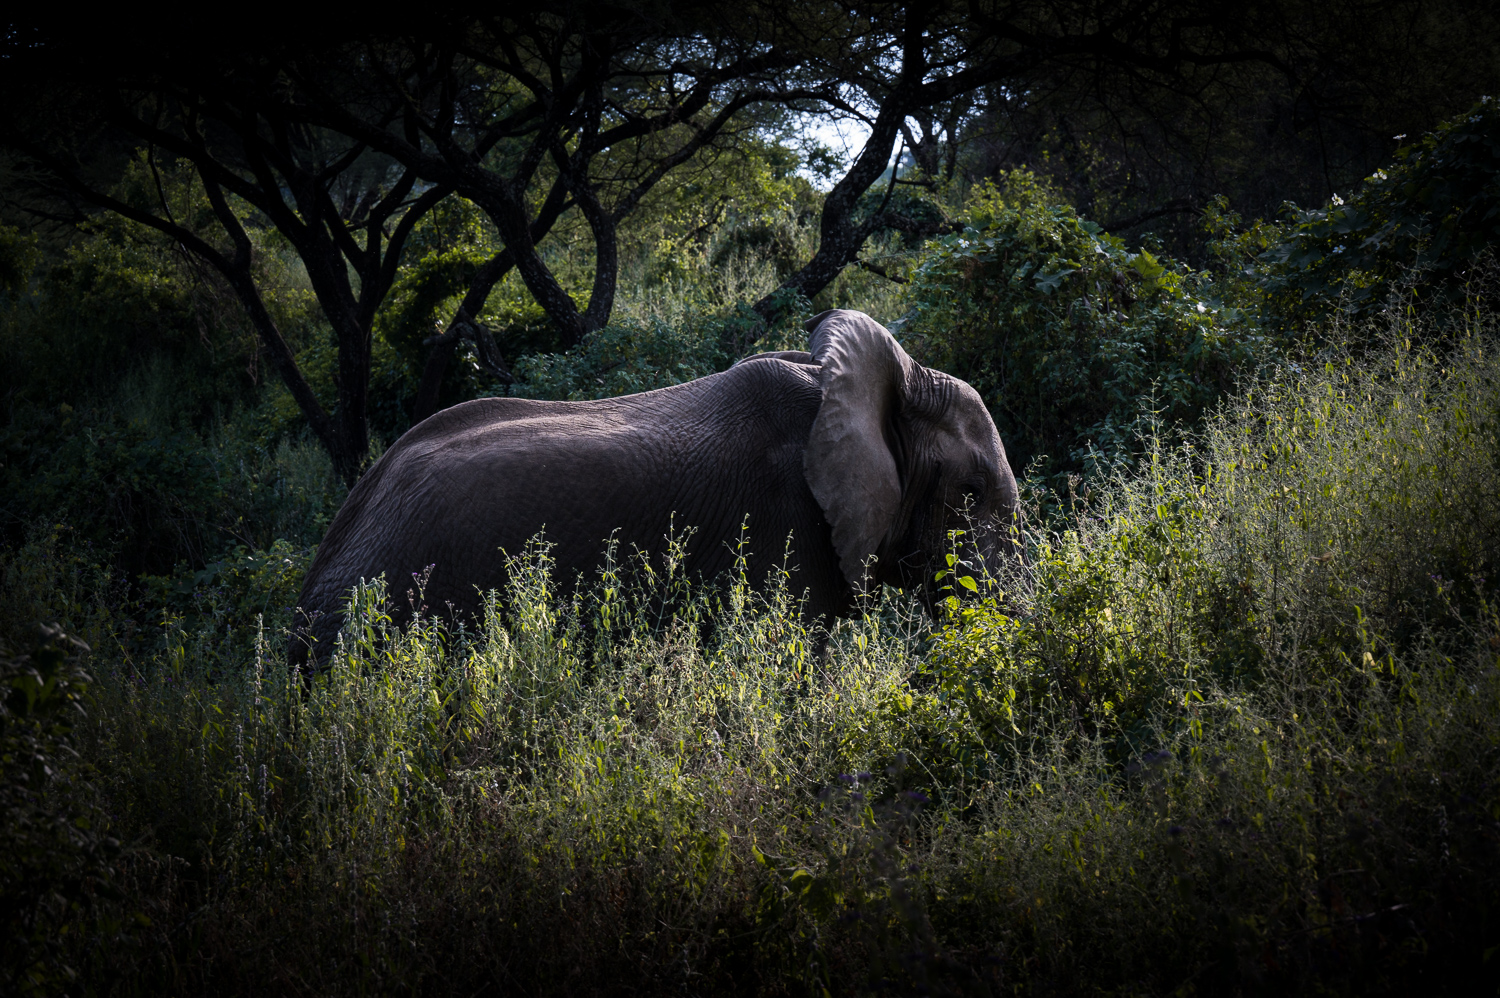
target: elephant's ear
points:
(847, 463)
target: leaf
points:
(1051, 282)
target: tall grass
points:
(1242, 733)
(1232, 728)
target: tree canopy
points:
(337, 143)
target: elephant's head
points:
(899, 455)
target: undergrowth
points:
(1232, 727)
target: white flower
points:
(1337, 200)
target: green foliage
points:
(120, 296)
(777, 240)
(218, 608)
(19, 258)
(113, 301)
(443, 254)
(1076, 345)
(420, 295)
(55, 852)
(133, 386)
(731, 211)
(917, 208)
(1233, 724)
(1422, 222)
(393, 383)
(680, 253)
(147, 496)
(1327, 514)
(623, 359)
(130, 488)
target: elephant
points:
(865, 458)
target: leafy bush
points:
(19, 258)
(137, 417)
(121, 296)
(55, 852)
(146, 494)
(1075, 344)
(393, 384)
(146, 497)
(1332, 518)
(1420, 223)
(775, 240)
(622, 359)
(219, 607)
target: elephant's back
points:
(489, 474)
(453, 496)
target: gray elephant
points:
(864, 457)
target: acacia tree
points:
(1321, 104)
(919, 73)
(574, 95)
(343, 208)
(343, 147)
(532, 114)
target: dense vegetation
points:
(1230, 727)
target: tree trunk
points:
(841, 236)
(488, 275)
(426, 402)
(508, 211)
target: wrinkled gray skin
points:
(863, 456)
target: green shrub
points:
(1076, 345)
(145, 497)
(623, 359)
(120, 299)
(1325, 517)
(218, 607)
(1420, 224)
(55, 851)
(19, 258)
(136, 416)
(131, 489)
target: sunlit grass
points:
(1232, 726)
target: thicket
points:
(1076, 344)
(1230, 727)
(1420, 224)
(1234, 727)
